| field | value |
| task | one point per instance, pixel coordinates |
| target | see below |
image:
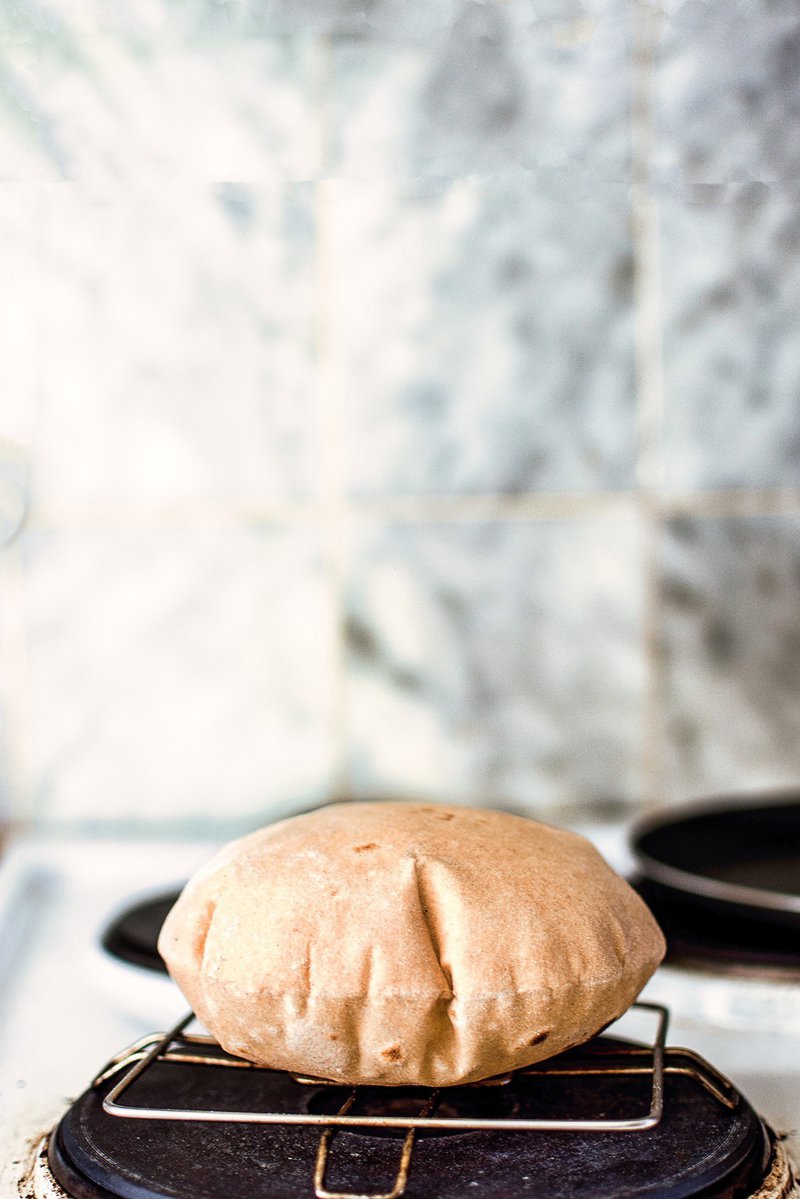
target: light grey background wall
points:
(405, 399)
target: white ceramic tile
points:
(567, 15)
(731, 594)
(484, 95)
(26, 19)
(134, 19)
(378, 19)
(117, 111)
(177, 360)
(19, 348)
(24, 154)
(178, 677)
(731, 277)
(728, 93)
(364, 18)
(497, 663)
(10, 801)
(485, 336)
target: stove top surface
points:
(55, 899)
(709, 1142)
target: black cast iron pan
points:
(737, 857)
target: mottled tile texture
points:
(485, 337)
(280, 275)
(731, 595)
(177, 676)
(728, 94)
(362, 18)
(487, 94)
(176, 341)
(369, 19)
(731, 333)
(726, 154)
(116, 109)
(497, 662)
(20, 284)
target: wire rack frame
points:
(179, 1047)
(139, 1057)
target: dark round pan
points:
(736, 856)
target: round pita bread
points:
(399, 944)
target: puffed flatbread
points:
(395, 943)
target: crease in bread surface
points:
(431, 919)
(404, 944)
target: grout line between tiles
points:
(332, 491)
(649, 390)
(421, 509)
(779, 501)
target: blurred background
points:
(396, 399)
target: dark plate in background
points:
(132, 935)
(735, 857)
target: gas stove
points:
(584, 1124)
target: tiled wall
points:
(409, 396)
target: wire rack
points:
(186, 1049)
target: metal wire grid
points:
(179, 1047)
